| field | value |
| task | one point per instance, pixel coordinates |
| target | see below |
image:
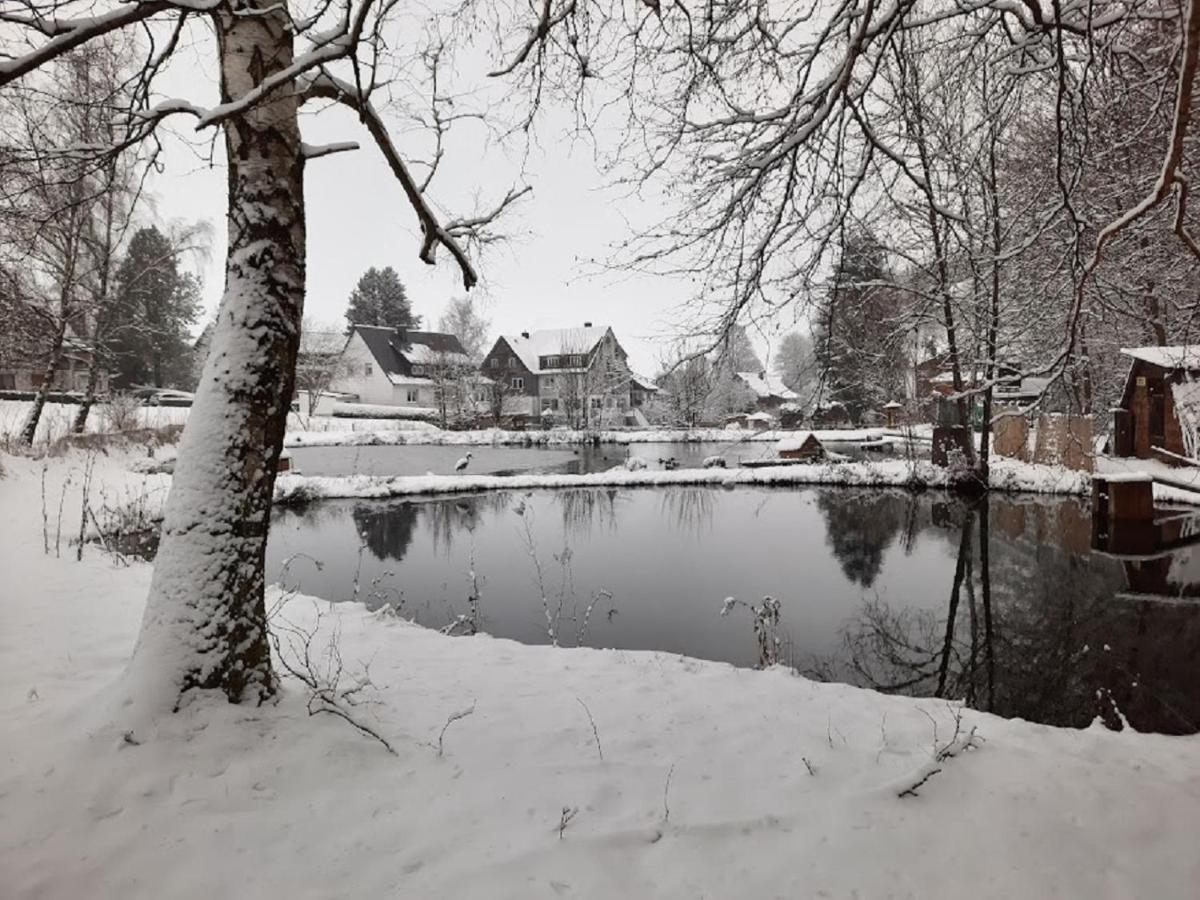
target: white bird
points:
(461, 465)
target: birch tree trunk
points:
(205, 620)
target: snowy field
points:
(57, 419)
(577, 773)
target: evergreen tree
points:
(379, 298)
(155, 305)
(859, 345)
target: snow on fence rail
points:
(1008, 477)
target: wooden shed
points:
(1159, 412)
(803, 445)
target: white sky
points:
(358, 217)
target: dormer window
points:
(367, 369)
(418, 370)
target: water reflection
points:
(1036, 627)
(859, 527)
(1002, 603)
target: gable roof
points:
(398, 350)
(765, 385)
(1183, 356)
(554, 342)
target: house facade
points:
(387, 366)
(574, 376)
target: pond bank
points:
(554, 437)
(583, 773)
(1007, 475)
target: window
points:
(367, 369)
(518, 383)
(595, 403)
(494, 362)
(548, 381)
(576, 360)
(413, 395)
(608, 401)
(8, 382)
(418, 370)
(549, 403)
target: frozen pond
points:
(877, 588)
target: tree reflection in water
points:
(1034, 627)
(859, 527)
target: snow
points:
(1186, 396)
(1007, 475)
(380, 411)
(57, 419)
(698, 780)
(562, 436)
(1115, 467)
(794, 443)
(764, 385)
(1185, 356)
(554, 342)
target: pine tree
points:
(379, 298)
(155, 306)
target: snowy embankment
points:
(500, 437)
(576, 773)
(1007, 475)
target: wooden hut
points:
(1159, 412)
(803, 445)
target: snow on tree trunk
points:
(205, 620)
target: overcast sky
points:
(543, 276)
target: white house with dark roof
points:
(397, 367)
(579, 376)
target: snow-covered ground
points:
(579, 773)
(57, 419)
(1007, 475)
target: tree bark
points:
(29, 431)
(205, 622)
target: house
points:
(25, 350)
(770, 393)
(1159, 408)
(578, 376)
(388, 366)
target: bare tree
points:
(320, 361)
(464, 321)
(205, 621)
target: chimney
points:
(587, 324)
(525, 334)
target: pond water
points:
(422, 459)
(998, 602)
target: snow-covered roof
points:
(397, 349)
(554, 342)
(796, 441)
(765, 385)
(1184, 356)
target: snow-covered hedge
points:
(380, 411)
